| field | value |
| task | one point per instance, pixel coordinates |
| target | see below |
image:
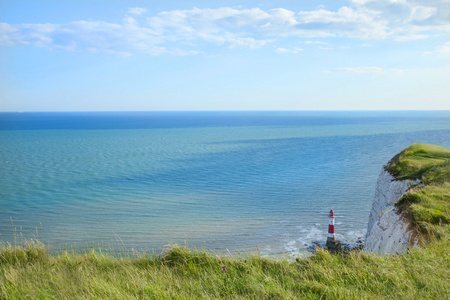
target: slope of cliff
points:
(412, 200)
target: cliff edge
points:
(411, 201)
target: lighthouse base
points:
(333, 245)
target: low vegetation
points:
(418, 159)
(28, 271)
(428, 204)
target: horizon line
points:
(230, 110)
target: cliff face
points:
(388, 232)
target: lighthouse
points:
(331, 233)
(333, 245)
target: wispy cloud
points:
(187, 32)
(315, 42)
(136, 10)
(441, 50)
(285, 50)
(408, 19)
(370, 70)
(444, 49)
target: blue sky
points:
(126, 55)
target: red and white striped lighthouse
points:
(333, 245)
(331, 233)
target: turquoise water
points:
(221, 180)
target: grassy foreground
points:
(30, 272)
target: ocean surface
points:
(224, 181)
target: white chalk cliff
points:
(388, 232)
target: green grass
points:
(417, 159)
(428, 204)
(29, 272)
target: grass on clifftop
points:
(29, 272)
(418, 159)
(428, 204)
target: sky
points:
(135, 55)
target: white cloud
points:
(284, 50)
(5, 28)
(370, 70)
(315, 42)
(398, 13)
(410, 37)
(408, 20)
(137, 10)
(440, 51)
(420, 13)
(7, 35)
(444, 49)
(185, 32)
(246, 42)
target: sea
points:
(229, 182)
